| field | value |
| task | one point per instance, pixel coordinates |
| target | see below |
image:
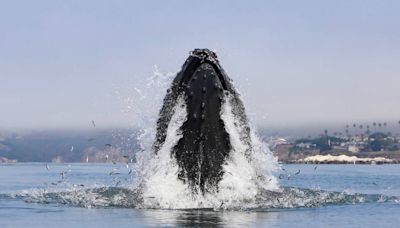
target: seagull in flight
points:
(114, 172)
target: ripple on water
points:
(117, 197)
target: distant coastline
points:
(110, 146)
(359, 147)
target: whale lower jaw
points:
(205, 144)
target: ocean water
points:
(103, 195)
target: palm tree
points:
(385, 127)
(327, 138)
(399, 123)
(374, 124)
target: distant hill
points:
(68, 146)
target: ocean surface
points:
(33, 195)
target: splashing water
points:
(247, 183)
(243, 176)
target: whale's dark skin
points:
(205, 144)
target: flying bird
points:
(63, 174)
(114, 172)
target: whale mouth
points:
(202, 60)
(205, 144)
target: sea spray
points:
(249, 168)
(161, 187)
(246, 173)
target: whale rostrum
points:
(205, 144)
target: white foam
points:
(162, 189)
(243, 176)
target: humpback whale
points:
(205, 144)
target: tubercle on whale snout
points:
(205, 143)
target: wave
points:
(117, 197)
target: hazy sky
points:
(295, 62)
